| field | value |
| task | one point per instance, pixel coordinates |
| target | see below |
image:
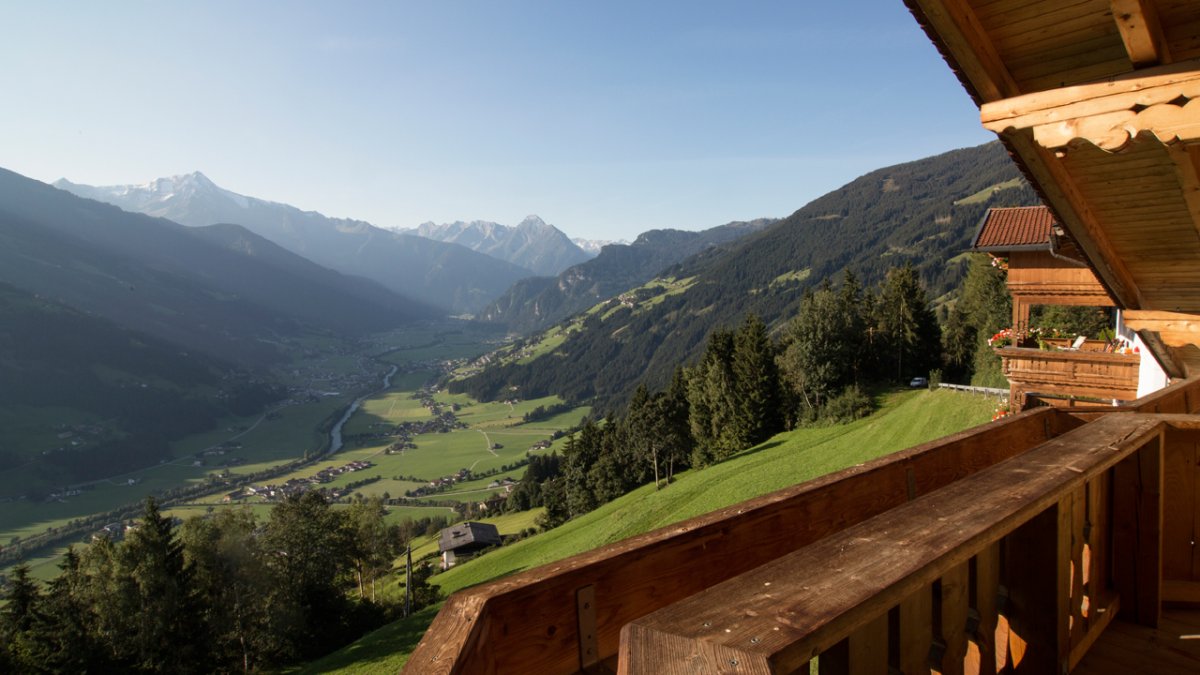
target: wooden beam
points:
(1186, 158)
(1160, 352)
(1162, 101)
(1141, 88)
(971, 47)
(1175, 329)
(1077, 216)
(1141, 31)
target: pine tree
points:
(912, 338)
(814, 363)
(712, 401)
(756, 385)
(579, 456)
(308, 550)
(63, 639)
(19, 618)
(229, 571)
(167, 637)
(987, 307)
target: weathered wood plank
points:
(806, 602)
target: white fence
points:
(975, 390)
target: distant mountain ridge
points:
(593, 246)
(533, 244)
(446, 275)
(922, 213)
(534, 304)
(221, 290)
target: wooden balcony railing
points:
(1007, 567)
(1064, 518)
(1090, 374)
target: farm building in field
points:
(462, 541)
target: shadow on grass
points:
(386, 648)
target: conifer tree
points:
(167, 636)
(756, 385)
(987, 308)
(911, 336)
(19, 618)
(64, 641)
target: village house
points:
(462, 541)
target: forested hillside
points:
(539, 302)
(921, 214)
(56, 360)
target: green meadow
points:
(906, 418)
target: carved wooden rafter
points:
(1141, 31)
(1163, 101)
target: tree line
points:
(746, 387)
(223, 592)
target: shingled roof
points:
(468, 535)
(1014, 229)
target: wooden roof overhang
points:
(1099, 102)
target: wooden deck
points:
(1173, 647)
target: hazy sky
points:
(606, 118)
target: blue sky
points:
(605, 118)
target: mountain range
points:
(921, 213)
(536, 303)
(534, 245)
(451, 277)
(221, 289)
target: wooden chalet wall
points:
(1039, 278)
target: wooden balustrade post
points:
(953, 596)
(1038, 569)
(1181, 531)
(985, 586)
(1137, 533)
(914, 632)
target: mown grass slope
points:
(905, 419)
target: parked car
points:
(919, 382)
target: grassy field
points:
(319, 363)
(907, 419)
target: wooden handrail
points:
(530, 622)
(778, 617)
